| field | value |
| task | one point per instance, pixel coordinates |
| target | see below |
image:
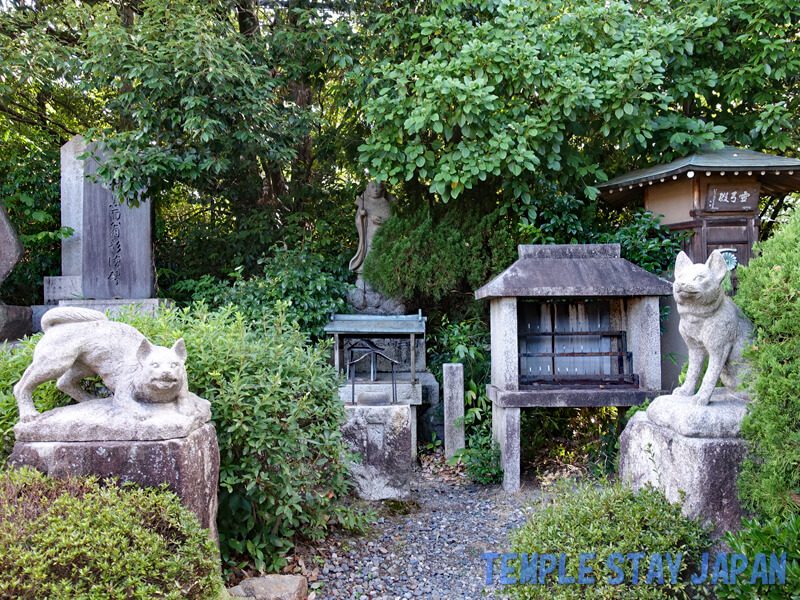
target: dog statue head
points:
(700, 283)
(161, 373)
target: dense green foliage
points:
(79, 539)
(604, 520)
(302, 280)
(28, 184)
(769, 294)
(770, 536)
(274, 404)
(432, 255)
(471, 98)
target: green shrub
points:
(604, 520)
(79, 539)
(769, 294)
(307, 281)
(481, 455)
(276, 411)
(771, 536)
(424, 257)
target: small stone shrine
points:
(151, 431)
(687, 443)
(107, 263)
(15, 321)
(571, 325)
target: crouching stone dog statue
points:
(711, 325)
(150, 401)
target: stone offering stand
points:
(571, 325)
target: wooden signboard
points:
(733, 197)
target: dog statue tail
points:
(70, 314)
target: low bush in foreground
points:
(79, 539)
(770, 536)
(607, 520)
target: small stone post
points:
(453, 408)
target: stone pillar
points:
(189, 466)
(505, 431)
(453, 408)
(644, 340)
(505, 357)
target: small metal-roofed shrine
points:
(571, 325)
(372, 351)
(712, 193)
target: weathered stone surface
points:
(66, 287)
(505, 344)
(364, 299)
(711, 325)
(701, 470)
(15, 322)
(10, 247)
(79, 343)
(720, 419)
(272, 587)
(381, 435)
(189, 466)
(453, 375)
(103, 419)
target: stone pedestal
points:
(691, 453)
(189, 465)
(381, 436)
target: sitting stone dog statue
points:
(711, 325)
(148, 381)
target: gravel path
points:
(433, 552)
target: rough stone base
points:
(364, 299)
(15, 322)
(701, 471)
(189, 466)
(381, 435)
(272, 587)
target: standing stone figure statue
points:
(711, 325)
(373, 209)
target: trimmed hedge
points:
(80, 539)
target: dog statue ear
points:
(716, 264)
(144, 350)
(681, 263)
(179, 348)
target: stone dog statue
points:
(80, 343)
(711, 325)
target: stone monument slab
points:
(110, 250)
